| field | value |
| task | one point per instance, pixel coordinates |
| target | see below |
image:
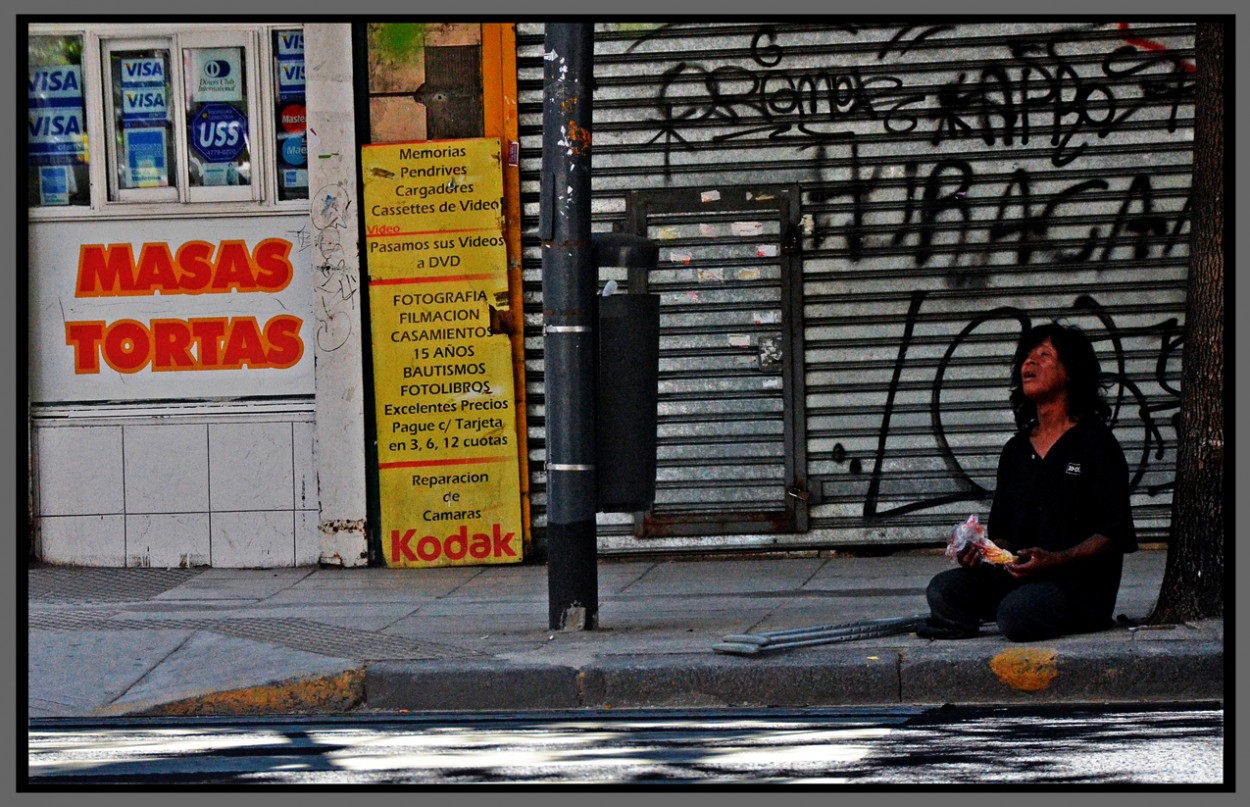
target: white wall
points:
(210, 489)
(337, 294)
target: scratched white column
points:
(333, 209)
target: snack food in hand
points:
(995, 554)
(971, 532)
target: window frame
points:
(88, 92)
(260, 161)
(112, 160)
(261, 196)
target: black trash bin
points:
(627, 375)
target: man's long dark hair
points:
(1086, 384)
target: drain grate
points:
(103, 584)
(52, 588)
(335, 641)
(299, 634)
(70, 620)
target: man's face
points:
(1042, 375)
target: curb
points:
(469, 686)
(1032, 674)
(716, 681)
(342, 692)
(938, 675)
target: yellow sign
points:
(446, 409)
(437, 187)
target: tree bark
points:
(1193, 579)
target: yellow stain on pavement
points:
(331, 693)
(1029, 669)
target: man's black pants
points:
(1029, 611)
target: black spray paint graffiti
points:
(1131, 408)
(336, 288)
(1006, 103)
(1031, 98)
(1037, 93)
(949, 210)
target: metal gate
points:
(949, 182)
(730, 441)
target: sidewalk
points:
(329, 640)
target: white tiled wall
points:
(84, 540)
(177, 491)
(260, 538)
(88, 479)
(166, 540)
(166, 469)
(250, 467)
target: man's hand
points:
(1034, 561)
(969, 557)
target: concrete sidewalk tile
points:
(691, 578)
(236, 584)
(680, 612)
(658, 621)
(477, 614)
(76, 673)
(660, 643)
(618, 574)
(349, 595)
(714, 624)
(868, 572)
(869, 587)
(347, 615)
(209, 663)
(469, 686)
(491, 589)
(497, 579)
(356, 620)
(436, 581)
(822, 613)
(1146, 561)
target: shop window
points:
(143, 153)
(56, 146)
(180, 123)
(291, 120)
(179, 115)
(217, 118)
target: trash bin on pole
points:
(627, 377)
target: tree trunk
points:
(1193, 581)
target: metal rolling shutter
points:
(954, 181)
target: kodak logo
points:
(406, 547)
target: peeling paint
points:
(396, 42)
(334, 526)
(1029, 669)
(578, 137)
(339, 693)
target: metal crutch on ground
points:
(752, 644)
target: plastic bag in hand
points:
(972, 532)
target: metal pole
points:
(569, 288)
